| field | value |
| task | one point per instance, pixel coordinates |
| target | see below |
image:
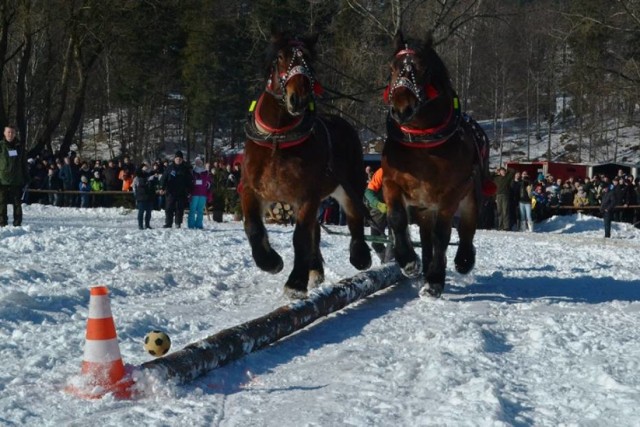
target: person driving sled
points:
(378, 211)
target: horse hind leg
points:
(316, 266)
(359, 252)
(465, 258)
(437, 234)
(410, 263)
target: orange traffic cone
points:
(102, 367)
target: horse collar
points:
(288, 136)
(428, 137)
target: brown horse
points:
(294, 155)
(433, 165)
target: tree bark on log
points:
(228, 345)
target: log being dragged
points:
(231, 344)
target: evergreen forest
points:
(142, 77)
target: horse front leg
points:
(440, 234)
(303, 254)
(398, 220)
(263, 254)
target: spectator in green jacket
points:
(14, 176)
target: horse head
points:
(291, 77)
(418, 77)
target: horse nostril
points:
(293, 99)
(407, 113)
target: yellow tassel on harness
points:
(252, 106)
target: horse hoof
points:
(465, 263)
(360, 256)
(295, 294)
(315, 278)
(412, 269)
(272, 263)
(431, 290)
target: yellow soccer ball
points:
(157, 343)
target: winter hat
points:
(96, 174)
(179, 154)
(83, 178)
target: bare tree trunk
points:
(617, 135)
(83, 70)
(53, 114)
(7, 17)
(21, 87)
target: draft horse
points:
(295, 155)
(434, 162)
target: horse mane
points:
(427, 58)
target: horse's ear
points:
(398, 41)
(276, 33)
(311, 40)
(310, 43)
(428, 42)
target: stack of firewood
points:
(280, 213)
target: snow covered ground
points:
(544, 331)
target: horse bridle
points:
(303, 126)
(406, 78)
(297, 67)
(425, 94)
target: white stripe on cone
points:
(100, 351)
(99, 307)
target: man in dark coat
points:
(503, 180)
(175, 184)
(606, 208)
(70, 176)
(111, 182)
(14, 176)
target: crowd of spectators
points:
(549, 196)
(73, 181)
(520, 201)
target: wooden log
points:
(231, 344)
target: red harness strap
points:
(427, 132)
(274, 142)
(263, 125)
(283, 144)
